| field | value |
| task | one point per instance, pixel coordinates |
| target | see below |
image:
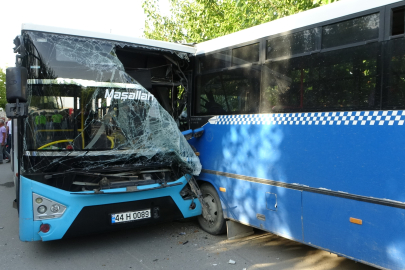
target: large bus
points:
(298, 125)
(304, 131)
(96, 124)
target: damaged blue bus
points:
(296, 127)
(97, 144)
(303, 121)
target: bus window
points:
(351, 31)
(245, 55)
(228, 92)
(336, 80)
(292, 44)
(394, 85)
(215, 61)
(398, 21)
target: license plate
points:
(130, 216)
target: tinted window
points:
(394, 80)
(292, 44)
(398, 20)
(351, 31)
(228, 92)
(215, 61)
(338, 80)
(245, 55)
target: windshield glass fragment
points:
(96, 105)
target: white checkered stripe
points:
(381, 118)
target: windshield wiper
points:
(128, 190)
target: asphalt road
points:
(164, 246)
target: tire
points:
(218, 226)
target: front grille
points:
(97, 219)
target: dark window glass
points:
(351, 31)
(297, 43)
(228, 92)
(398, 21)
(338, 80)
(394, 80)
(245, 55)
(215, 61)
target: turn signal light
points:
(45, 228)
(356, 221)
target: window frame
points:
(385, 17)
(388, 20)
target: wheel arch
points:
(222, 197)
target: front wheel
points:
(211, 198)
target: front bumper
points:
(90, 213)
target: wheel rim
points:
(213, 208)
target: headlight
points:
(55, 208)
(45, 208)
(41, 209)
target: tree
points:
(3, 100)
(201, 20)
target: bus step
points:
(15, 203)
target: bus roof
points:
(299, 20)
(106, 36)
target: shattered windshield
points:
(84, 106)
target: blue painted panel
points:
(380, 240)
(324, 155)
(27, 226)
(75, 202)
(243, 200)
(271, 201)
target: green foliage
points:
(3, 100)
(201, 20)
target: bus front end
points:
(98, 146)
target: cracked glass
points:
(86, 113)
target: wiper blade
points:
(129, 174)
(128, 190)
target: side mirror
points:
(16, 92)
(16, 110)
(16, 84)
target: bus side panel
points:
(324, 155)
(271, 208)
(379, 240)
